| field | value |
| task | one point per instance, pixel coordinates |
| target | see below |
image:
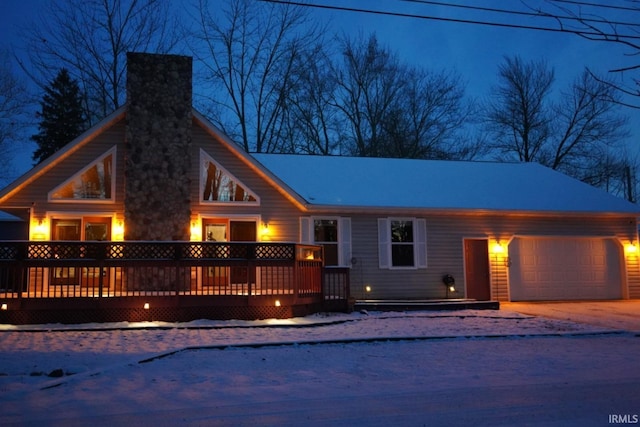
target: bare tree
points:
(90, 38)
(587, 124)
(370, 82)
(617, 173)
(426, 117)
(518, 115)
(247, 52)
(587, 20)
(573, 135)
(14, 105)
(396, 110)
(313, 121)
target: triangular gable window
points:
(93, 183)
(219, 186)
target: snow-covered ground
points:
(414, 368)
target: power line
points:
(603, 6)
(460, 21)
(538, 14)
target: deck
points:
(74, 281)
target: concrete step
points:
(413, 305)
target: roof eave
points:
(395, 210)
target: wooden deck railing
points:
(68, 269)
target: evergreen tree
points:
(61, 115)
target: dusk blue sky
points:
(474, 51)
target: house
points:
(156, 170)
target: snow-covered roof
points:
(337, 181)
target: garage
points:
(557, 269)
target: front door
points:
(70, 230)
(96, 229)
(242, 231)
(215, 231)
(224, 230)
(477, 276)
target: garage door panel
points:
(565, 269)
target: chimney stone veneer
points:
(158, 147)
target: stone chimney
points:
(158, 147)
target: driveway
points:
(621, 315)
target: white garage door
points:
(556, 269)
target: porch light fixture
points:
(498, 248)
(631, 248)
(118, 231)
(4, 307)
(450, 283)
(146, 306)
(367, 288)
(264, 230)
(40, 229)
(277, 303)
(195, 231)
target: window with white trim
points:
(334, 234)
(402, 243)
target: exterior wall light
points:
(497, 248)
(631, 248)
(195, 231)
(146, 306)
(4, 307)
(277, 303)
(118, 230)
(39, 229)
(264, 231)
(450, 283)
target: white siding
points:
(445, 252)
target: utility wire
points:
(604, 6)
(521, 13)
(460, 21)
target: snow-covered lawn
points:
(415, 368)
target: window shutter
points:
(344, 241)
(384, 241)
(421, 243)
(306, 230)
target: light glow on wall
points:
(195, 231)
(497, 248)
(264, 231)
(631, 248)
(117, 229)
(39, 229)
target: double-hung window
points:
(325, 233)
(402, 243)
(334, 234)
